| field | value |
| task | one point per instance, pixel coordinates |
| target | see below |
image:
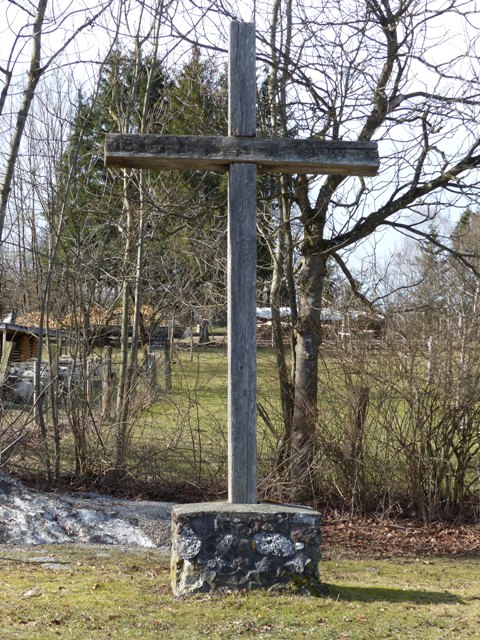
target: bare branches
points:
(461, 256)
(351, 280)
(413, 192)
(34, 74)
(35, 71)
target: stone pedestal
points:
(234, 546)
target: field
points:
(96, 593)
(183, 435)
(413, 448)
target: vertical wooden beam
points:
(242, 87)
(242, 257)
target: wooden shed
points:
(18, 343)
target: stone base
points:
(219, 545)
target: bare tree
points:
(37, 20)
(370, 71)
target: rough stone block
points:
(233, 546)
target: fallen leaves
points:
(384, 538)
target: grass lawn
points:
(95, 593)
(183, 435)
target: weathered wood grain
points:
(242, 274)
(242, 85)
(217, 153)
(242, 351)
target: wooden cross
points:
(242, 154)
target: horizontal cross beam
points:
(216, 153)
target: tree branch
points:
(351, 280)
(461, 257)
(367, 225)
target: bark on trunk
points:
(34, 75)
(311, 281)
(283, 252)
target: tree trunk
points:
(311, 280)
(122, 389)
(107, 384)
(357, 399)
(281, 255)
(34, 75)
(129, 360)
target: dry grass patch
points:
(92, 593)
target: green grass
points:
(186, 430)
(98, 593)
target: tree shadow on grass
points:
(381, 594)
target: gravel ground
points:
(32, 517)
